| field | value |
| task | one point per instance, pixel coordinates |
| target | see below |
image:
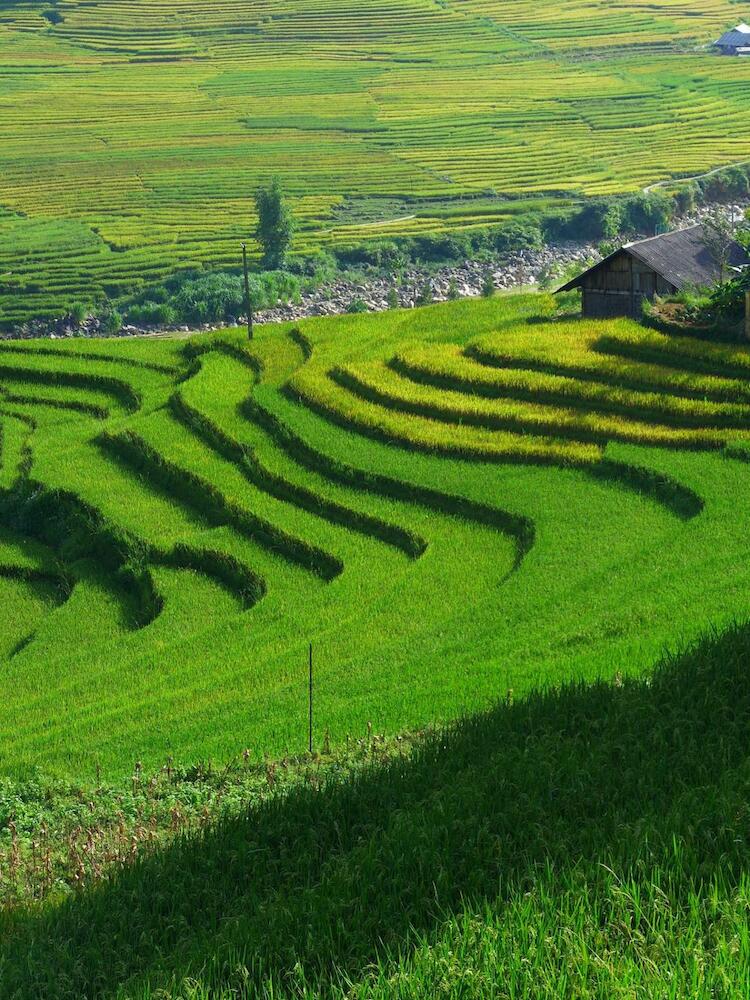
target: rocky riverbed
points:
(413, 287)
(410, 288)
(416, 285)
(516, 270)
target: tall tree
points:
(718, 239)
(275, 225)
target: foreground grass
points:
(589, 841)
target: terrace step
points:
(273, 413)
(49, 399)
(211, 414)
(663, 490)
(492, 375)
(15, 431)
(191, 602)
(683, 354)
(322, 395)
(379, 384)
(204, 497)
(122, 392)
(98, 612)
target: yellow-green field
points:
(133, 136)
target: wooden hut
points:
(662, 265)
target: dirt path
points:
(697, 177)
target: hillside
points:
(134, 135)
(590, 842)
(449, 503)
(516, 542)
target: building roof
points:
(736, 38)
(680, 257)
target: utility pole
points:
(311, 700)
(248, 303)
(747, 315)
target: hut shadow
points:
(319, 883)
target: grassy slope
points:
(132, 136)
(587, 842)
(219, 525)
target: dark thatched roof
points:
(680, 257)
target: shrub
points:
(318, 267)
(357, 306)
(687, 197)
(110, 322)
(382, 255)
(648, 213)
(209, 298)
(152, 314)
(517, 236)
(612, 221)
(728, 301)
(77, 313)
(488, 286)
(730, 183)
(448, 247)
(606, 218)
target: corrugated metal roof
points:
(736, 38)
(680, 257)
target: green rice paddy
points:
(134, 136)
(448, 503)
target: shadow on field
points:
(314, 886)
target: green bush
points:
(77, 313)
(728, 301)
(152, 314)
(444, 248)
(517, 236)
(387, 255)
(687, 198)
(110, 322)
(210, 298)
(607, 218)
(734, 182)
(648, 213)
(357, 306)
(316, 267)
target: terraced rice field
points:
(133, 136)
(449, 503)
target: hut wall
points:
(620, 288)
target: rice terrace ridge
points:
(398, 654)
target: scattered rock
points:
(514, 270)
